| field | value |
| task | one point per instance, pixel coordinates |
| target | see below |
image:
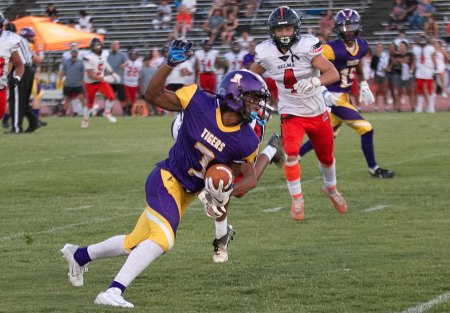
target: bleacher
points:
(131, 23)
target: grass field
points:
(389, 253)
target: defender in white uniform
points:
(299, 70)
(9, 45)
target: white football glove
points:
(112, 79)
(211, 210)
(365, 94)
(219, 196)
(306, 86)
(329, 98)
(116, 77)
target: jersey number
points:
(207, 157)
(347, 76)
(100, 69)
(289, 80)
(2, 67)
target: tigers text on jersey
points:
(287, 69)
(131, 73)
(95, 62)
(203, 140)
(424, 61)
(9, 42)
(206, 60)
(345, 61)
(234, 60)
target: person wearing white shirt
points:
(425, 55)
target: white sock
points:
(270, 152)
(419, 107)
(329, 174)
(86, 112)
(221, 228)
(108, 248)
(294, 187)
(108, 105)
(141, 257)
(431, 102)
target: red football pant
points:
(207, 81)
(2, 101)
(131, 93)
(319, 131)
(102, 87)
(421, 83)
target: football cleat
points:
(113, 297)
(221, 246)
(298, 209)
(85, 123)
(75, 270)
(336, 198)
(110, 117)
(280, 156)
(382, 173)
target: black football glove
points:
(179, 51)
(13, 81)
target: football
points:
(221, 172)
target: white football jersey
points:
(287, 69)
(424, 61)
(206, 60)
(95, 62)
(234, 60)
(9, 42)
(131, 73)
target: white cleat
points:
(221, 246)
(110, 117)
(85, 123)
(113, 297)
(75, 270)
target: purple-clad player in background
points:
(215, 130)
(346, 53)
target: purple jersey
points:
(345, 61)
(203, 140)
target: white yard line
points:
(60, 228)
(272, 210)
(426, 306)
(82, 207)
(375, 208)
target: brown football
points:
(220, 172)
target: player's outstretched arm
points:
(179, 51)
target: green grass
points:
(67, 184)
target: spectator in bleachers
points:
(442, 59)
(431, 28)
(401, 37)
(213, 26)
(85, 22)
(245, 39)
(421, 14)
(191, 6)
(51, 12)
(406, 84)
(379, 64)
(229, 29)
(410, 6)
(118, 61)
(251, 7)
(232, 6)
(217, 4)
(163, 15)
(398, 15)
(183, 24)
(326, 24)
(156, 58)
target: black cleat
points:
(32, 128)
(41, 123)
(5, 124)
(382, 173)
(280, 156)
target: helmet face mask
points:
(347, 25)
(282, 17)
(243, 92)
